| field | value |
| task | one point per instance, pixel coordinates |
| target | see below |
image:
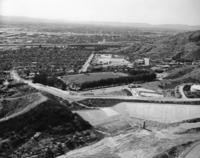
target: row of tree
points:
(145, 77)
(44, 79)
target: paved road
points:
(76, 96)
(113, 44)
(87, 64)
(167, 112)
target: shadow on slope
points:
(38, 125)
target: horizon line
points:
(124, 23)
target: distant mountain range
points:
(18, 19)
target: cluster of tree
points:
(1, 81)
(53, 60)
(179, 57)
(125, 69)
(50, 81)
(144, 77)
(40, 78)
(137, 72)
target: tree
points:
(40, 78)
(49, 153)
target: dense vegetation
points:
(44, 79)
(51, 60)
(188, 74)
(179, 72)
(144, 77)
(181, 47)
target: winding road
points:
(149, 108)
(73, 96)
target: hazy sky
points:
(138, 11)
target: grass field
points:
(81, 78)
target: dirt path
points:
(28, 108)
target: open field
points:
(109, 91)
(81, 78)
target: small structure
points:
(6, 83)
(195, 88)
(139, 61)
(144, 61)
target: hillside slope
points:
(38, 113)
(188, 74)
(184, 46)
(35, 124)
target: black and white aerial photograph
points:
(99, 78)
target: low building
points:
(144, 61)
(109, 60)
(147, 61)
(195, 88)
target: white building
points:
(195, 88)
(110, 60)
(146, 61)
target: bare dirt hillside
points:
(188, 74)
